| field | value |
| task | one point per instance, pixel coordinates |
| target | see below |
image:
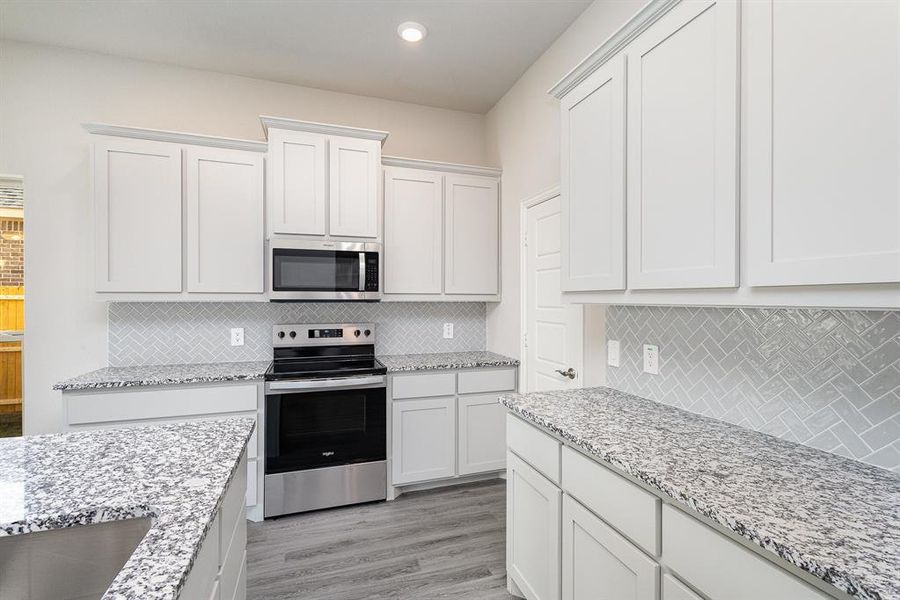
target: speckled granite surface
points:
(836, 518)
(115, 377)
(174, 474)
(445, 360)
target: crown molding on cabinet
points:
(323, 128)
(415, 163)
(643, 19)
(178, 137)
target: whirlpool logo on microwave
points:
(328, 453)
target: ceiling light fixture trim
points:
(412, 32)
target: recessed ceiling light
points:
(412, 31)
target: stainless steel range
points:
(326, 419)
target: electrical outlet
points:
(237, 336)
(448, 331)
(612, 353)
(651, 359)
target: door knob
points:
(570, 373)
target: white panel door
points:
(413, 231)
(481, 421)
(355, 168)
(553, 330)
(823, 141)
(600, 564)
(682, 149)
(137, 216)
(225, 228)
(297, 196)
(593, 181)
(423, 439)
(472, 238)
(533, 510)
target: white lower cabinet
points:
(448, 424)
(600, 564)
(610, 529)
(424, 433)
(533, 510)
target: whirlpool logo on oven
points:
(328, 453)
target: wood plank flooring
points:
(446, 543)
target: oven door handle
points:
(318, 384)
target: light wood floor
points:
(446, 543)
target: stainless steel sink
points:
(73, 563)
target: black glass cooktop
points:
(307, 368)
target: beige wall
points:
(45, 95)
(523, 138)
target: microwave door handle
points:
(362, 271)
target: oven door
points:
(325, 422)
(304, 270)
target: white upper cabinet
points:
(354, 167)
(325, 179)
(472, 220)
(298, 168)
(413, 231)
(683, 149)
(593, 181)
(225, 229)
(441, 231)
(137, 215)
(823, 141)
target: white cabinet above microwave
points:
(324, 180)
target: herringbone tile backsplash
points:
(148, 333)
(825, 378)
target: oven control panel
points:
(343, 334)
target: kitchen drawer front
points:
(233, 511)
(534, 446)
(674, 589)
(622, 504)
(423, 385)
(201, 579)
(478, 381)
(158, 402)
(721, 568)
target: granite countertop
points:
(116, 377)
(833, 517)
(174, 474)
(445, 360)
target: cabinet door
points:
(682, 149)
(674, 589)
(533, 509)
(354, 166)
(225, 237)
(600, 564)
(297, 200)
(482, 434)
(137, 216)
(593, 181)
(413, 231)
(423, 439)
(823, 142)
(472, 238)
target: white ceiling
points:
(475, 49)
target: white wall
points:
(45, 95)
(523, 138)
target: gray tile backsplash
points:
(825, 378)
(148, 333)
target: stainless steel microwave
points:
(303, 270)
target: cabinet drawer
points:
(232, 512)
(533, 445)
(487, 380)
(202, 577)
(673, 589)
(622, 504)
(158, 402)
(423, 385)
(721, 568)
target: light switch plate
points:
(237, 336)
(651, 359)
(448, 331)
(612, 353)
